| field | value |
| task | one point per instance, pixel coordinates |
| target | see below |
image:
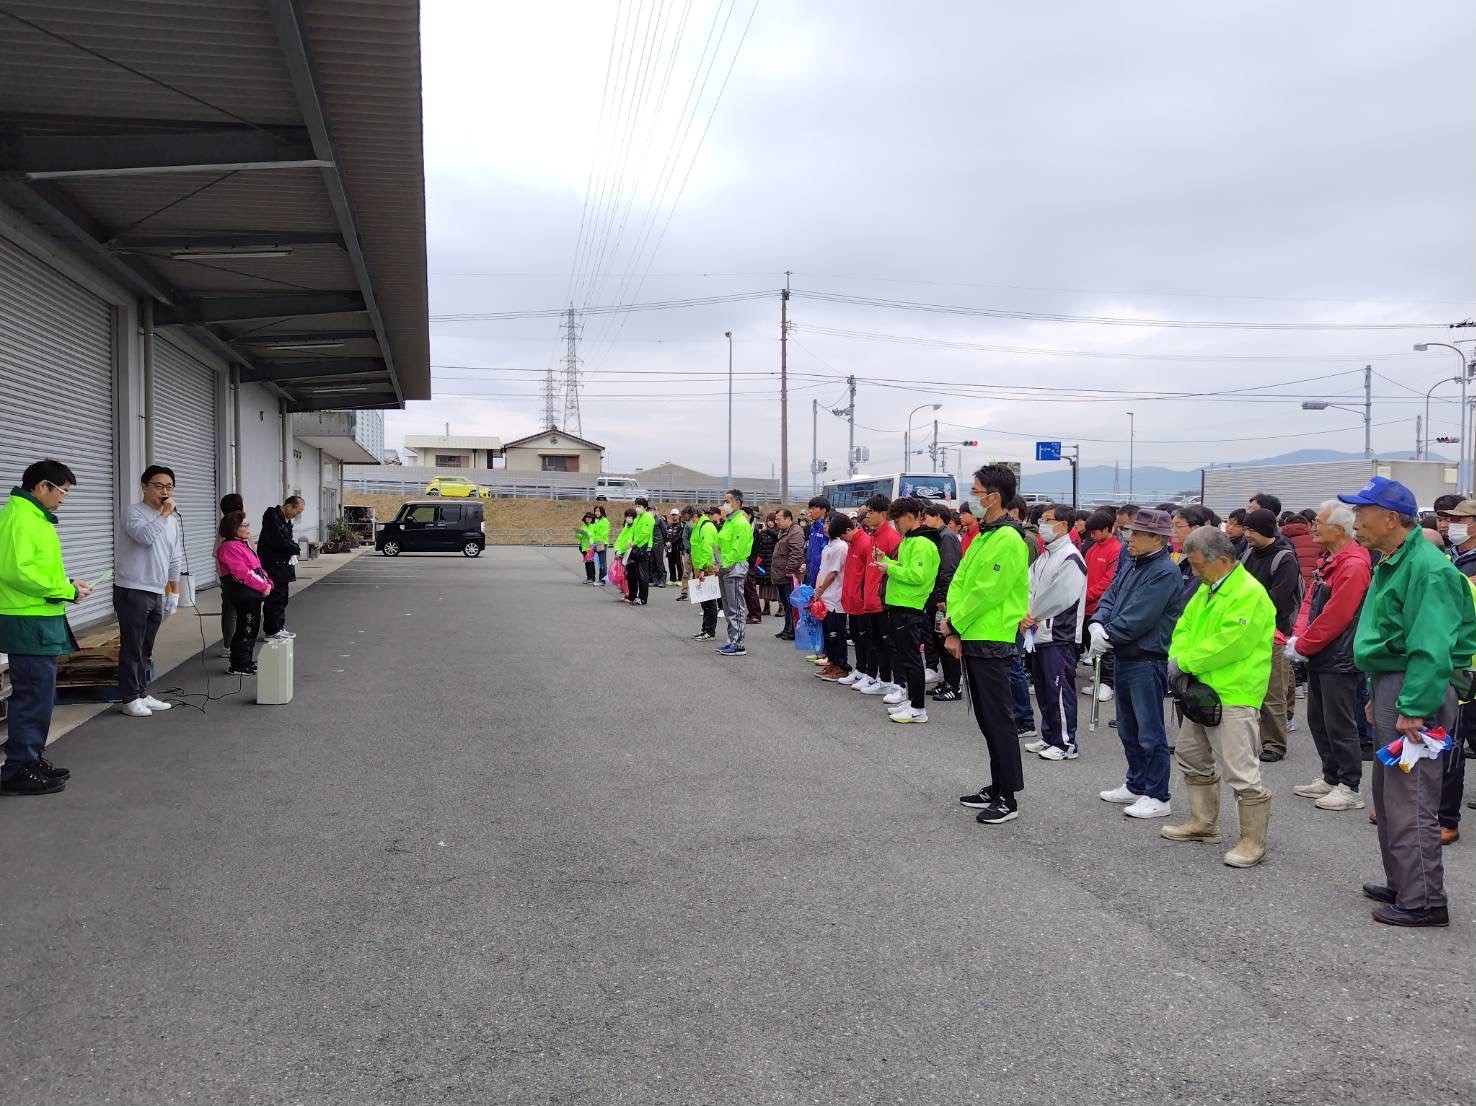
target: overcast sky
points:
(1262, 161)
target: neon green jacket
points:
(1417, 619)
(622, 539)
(991, 587)
(582, 534)
(735, 539)
(599, 531)
(704, 538)
(910, 578)
(1224, 638)
(642, 530)
(34, 588)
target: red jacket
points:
(856, 597)
(1309, 553)
(1347, 574)
(1101, 562)
(966, 535)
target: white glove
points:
(1174, 671)
(1292, 654)
(171, 604)
(1100, 641)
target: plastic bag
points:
(808, 633)
(616, 573)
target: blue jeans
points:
(1020, 687)
(32, 697)
(1141, 685)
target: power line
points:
(556, 312)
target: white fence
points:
(501, 484)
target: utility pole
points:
(1075, 462)
(1419, 441)
(728, 334)
(573, 424)
(849, 412)
(1367, 411)
(933, 449)
(814, 446)
(784, 391)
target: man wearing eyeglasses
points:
(146, 586)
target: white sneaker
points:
(1086, 688)
(863, 682)
(1314, 790)
(877, 687)
(1119, 795)
(1147, 807)
(910, 714)
(932, 677)
(895, 696)
(1052, 752)
(155, 705)
(1341, 797)
(281, 635)
(1035, 746)
(847, 681)
(136, 709)
(1104, 694)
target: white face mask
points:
(1458, 533)
(727, 509)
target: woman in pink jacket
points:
(244, 584)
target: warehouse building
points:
(212, 253)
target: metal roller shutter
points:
(184, 439)
(56, 400)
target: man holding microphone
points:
(146, 590)
(34, 592)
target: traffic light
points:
(1448, 441)
(970, 442)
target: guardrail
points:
(547, 491)
(552, 535)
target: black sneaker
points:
(46, 768)
(703, 636)
(984, 797)
(946, 695)
(234, 671)
(1024, 730)
(996, 812)
(31, 781)
(1271, 756)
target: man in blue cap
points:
(1417, 630)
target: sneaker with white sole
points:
(1314, 790)
(895, 696)
(932, 677)
(849, 679)
(863, 682)
(1055, 752)
(1341, 797)
(1104, 694)
(1035, 746)
(136, 709)
(1122, 794)
(1147, 807)
(1086, 688)
(281, 635)
(877, 687)
(910, 714)
(155, 705)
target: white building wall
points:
(260, 479)
(307, 468)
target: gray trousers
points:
(139, 615)
(735, 606)
(1273, 707)
(1408, 804)
(1332, 703)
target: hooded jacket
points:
(1224, 638)
(735, 540)
(1309, 553)
(599, 530)
(914, 571)
(704, 539)
(789, 553)
(1329, 615)
(276, 546)
(34, 588)
(241, 575)
(1280, 573)
(1057, 589)
(1139, 608)
(990, 591)
(856, 597)
(814, 545)
(950, 553)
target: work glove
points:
(1100, 641)
(1175, 671)
(1292, 654)
(171, 604)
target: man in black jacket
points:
(277, 549)
(943, 668)
(1272, 560)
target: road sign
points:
(1047, 451)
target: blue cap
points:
(1380, 491)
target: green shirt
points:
(1417, 619)
(34, 588)
(910, 578)
(704, 538)
(735, 539)
(991, 588)
(1224, 638)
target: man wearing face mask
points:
(1053, 621)
(1460, 532)
(1270, 558)
(735, 543)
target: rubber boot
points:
(1255, 812)
(1204, 814)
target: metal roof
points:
(563, 434)
(252, 166)
(453, 441)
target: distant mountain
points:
(1157, 483)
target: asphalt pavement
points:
(515, 842)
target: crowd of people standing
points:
(1358, 606)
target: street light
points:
(728, 334)
(1461, 477)
(907, 441)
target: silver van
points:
(618, 489)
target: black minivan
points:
(434, 526)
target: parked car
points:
(434, 526)
(618, 488)
(454, 487)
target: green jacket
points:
(1417, 619)
(704, 537)
(582, 534)
(1224, 638)
(34, 588)
(623, 539)
(990, 590)
(735, 539)
(599, 532)
(910, 578)
(643, 530)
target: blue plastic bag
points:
(808, 633)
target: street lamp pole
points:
(728, 334)
(1425, 442)
(1132, 441)
(1461, 472)
(907, 441)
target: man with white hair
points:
(1323, 639)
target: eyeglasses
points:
(162, 487)
(58, 488)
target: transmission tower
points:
(571, 329)
(550, 398)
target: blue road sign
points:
(1047, 451)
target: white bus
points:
(938, 486)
